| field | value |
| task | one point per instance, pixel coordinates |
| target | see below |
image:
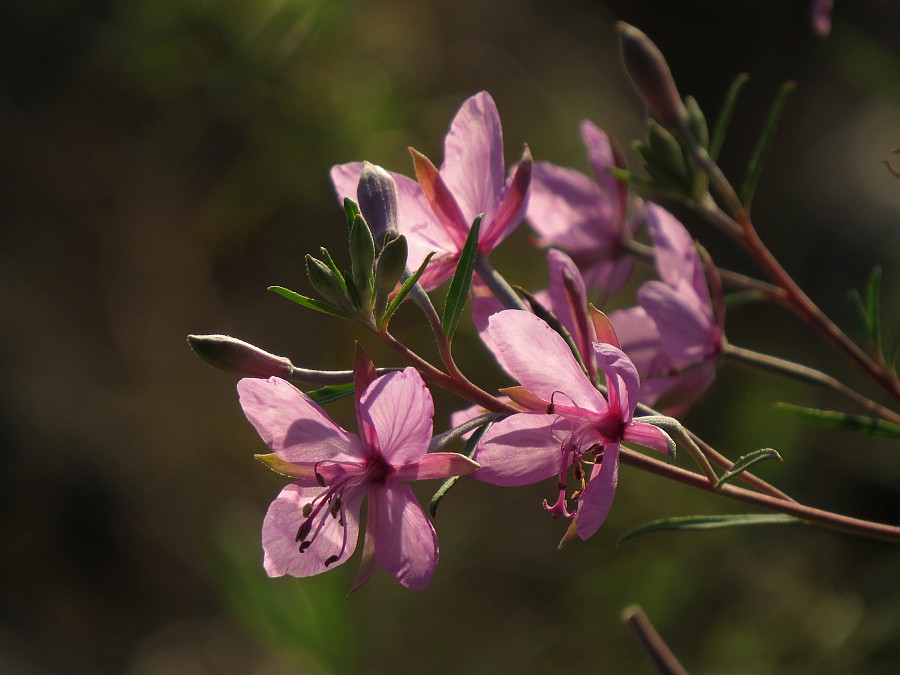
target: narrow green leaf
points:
(746, 462)
(461, 281)
(403, 292)
(447, 485)
(632, 178)
(724, 119)
(309, 303)
(330, 393)
(351, 210)
(873, 310)
(754, 169)
(831, 419)
(703, 523)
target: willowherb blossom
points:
(436, 213)
(570, 422)
(821, 16)
(587, 218)
(673, 337)
(314, 523)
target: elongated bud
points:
(325, 282)
(651, 76)
(666, 148)
(377, 195)
(239, 357)
(697, 121)
(391, 265)
(362, 259)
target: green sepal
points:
(362, 260)
(755, 167)
(351, 210)
(309, 303)
(332, 392)
(468, 450)
(703, 523)
(403, 292)
(662, 174)
(724, 118)
(831, 419)
(461, 281)
(746, 461)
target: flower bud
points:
(239, 357)
(651, 76)
(326, 283)
(377, 195)
(362, 258)
(391, 265)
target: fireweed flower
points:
(314, 523)
(587, 218)
(436, 213)
(821, 16)
(570, 422)
(673, 337)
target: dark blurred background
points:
(163, 161)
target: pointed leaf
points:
(724, 119)
(461, 281)
(746, 462)
(468, 451)
(844, 421)
(718, 522)
(331, 393)
(754, 169)
(404, 291)
(309, 303)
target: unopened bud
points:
(239, 357)
(651, 76)
(325, 282)
(362, 258)
(697, 121)
(377, 195)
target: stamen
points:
(332, 559)
(303, 532)
(307, 509)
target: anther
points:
(307, 509)
(304, 545)
(331, 560)
(335, 508)
(304, 530)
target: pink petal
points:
(436, 465)
(405, 542)
(597, 498)
(541, 360)
(279, 534)
(676, 255)
(522, 449)
(608, 275)
(441, 199)
(293, 426)
(674, 395)
(567, 209)
(511, 207)
(688, 331)
(622, 380)
(821, 17)
(571, 310)
(602, 159)
(473, 165)
(639, 338)
(399, 407)
(484, 305)
(647, 435)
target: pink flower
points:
(571, 420)
(821, 16)
(586, 218)
(436, 213)
(673, 337)
(314, 523)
